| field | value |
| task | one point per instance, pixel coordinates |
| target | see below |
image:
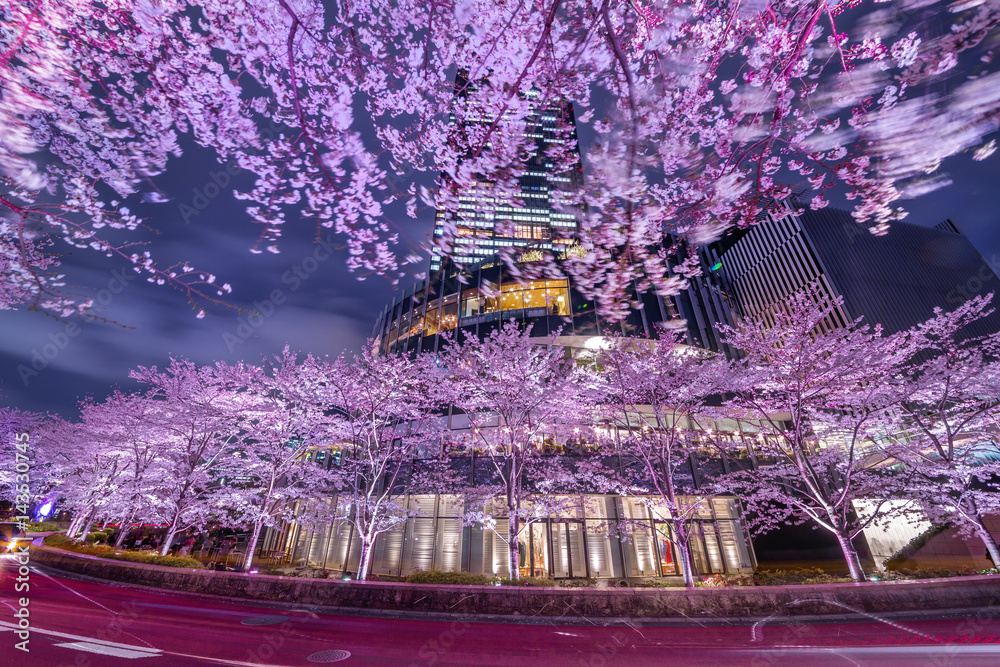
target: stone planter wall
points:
(743, 602)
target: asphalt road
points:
(78, 623)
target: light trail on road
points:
(84, 623)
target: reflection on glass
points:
(471, 302)
(552, 295)
(432, 320)
(534, 551)
(449, 313)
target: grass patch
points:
(902, 574)
(105, 551)
(657, 583)
(43, 527)
(793, 576)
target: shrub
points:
(724, 580)
(97, 536)
(938, 573)
(797, 575)
(43, 526)
(449, 578)
(656, 583)
(527, 581)
(106, 551)
(827, 579)
(578, 583)
(178, 561)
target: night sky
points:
(327, 312)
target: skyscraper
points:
(544, 222)
(894, 280)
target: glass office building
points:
(475, 300)
(896, 280)
(542, 220)
(575, 544)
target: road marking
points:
(87, 640)
(111, 650)
(93, 602)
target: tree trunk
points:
(168, 539)
(74, 526)
(366, 554)
(687, 568)
(851, 556)
(512, 545)
(123, 530)
(971, 510)
(86, 529)
(251, 547)
(987, 538)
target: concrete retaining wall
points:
(955, 593)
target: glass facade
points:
(476, 299)
(541, 219)
(596, 536)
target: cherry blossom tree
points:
(515, 391)
(702, 114)
(818, 397)
(386, 414)
(123, 423)
(89, 469)
(266, 472)
(656, 392)
(196, 414)
(948, 401)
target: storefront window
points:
(665, 550)
(557, 297)
(449, 313)
(472, 304)
(534, 551)
(553, 295)
(433, 319)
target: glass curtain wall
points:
(594, 536)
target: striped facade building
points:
(896, 280)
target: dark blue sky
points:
(324, 313)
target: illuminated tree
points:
(708, 110)
(515, 391)
(818, 397)
(195, 416)
(385, 415)
(948, 402)
(265, 474)
(655, 393)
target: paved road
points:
(87, 624)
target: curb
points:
(724, 606)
